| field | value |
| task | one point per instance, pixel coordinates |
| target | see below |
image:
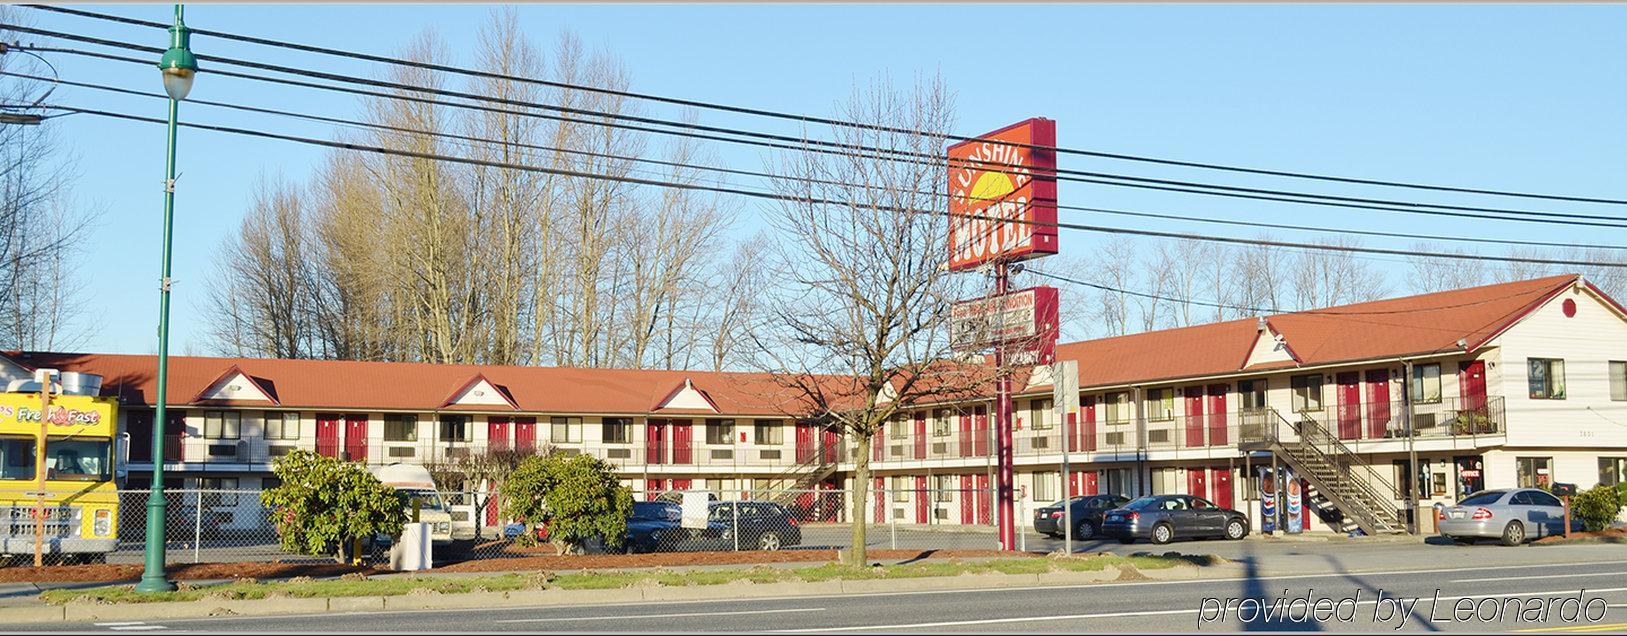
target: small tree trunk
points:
(857, 554)
(344, 551)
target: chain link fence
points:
(216, 526)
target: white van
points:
(416, 482)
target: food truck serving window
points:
(65, 459)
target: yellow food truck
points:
(81, 498)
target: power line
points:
(822, 201)
(844, 149)
(481, 140)
(815, 119)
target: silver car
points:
(1512, 515)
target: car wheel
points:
(1085, 531)
(1513, 534)
(769, 541)
(1163, 533)
(1235, 529)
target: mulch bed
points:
(105, 573)
(675, 559)
(1609, 535)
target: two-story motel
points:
(1516, 384)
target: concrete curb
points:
(79, 613)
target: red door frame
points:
(1193, 420)
(1087, 435)
(1197, 482)
(1220, 481)
(525, 433)
(805, 443)
(982, 498)
(327, 435)
(497, 430)
(655, 440)
(828, 445)
(968, 501)
(1217, 414)
(966, 434)
(683, 432)
(1472, 385)
(922, 497)
(920, 434)
(1348, 389)
(1378, 402)
(980, 431)
(356, 437)
(1090, 484)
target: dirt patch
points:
(1609, 535)
(674, 559)
(99, 573)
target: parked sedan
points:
(1510, 515)
(1086, 511)
(761, 525)
(654, 525)
(1164, 518)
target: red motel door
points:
(920, 435)
(653, 488)
(968, 501)
(356, 438)
(1349, 405)
(980, 432)
(1087, 435)
(681, 484)
(982, 499)
(1197, 482)
(881, 499)
(1378, 402)
(827, 437)
(1194, 416)
(1090, 483)
(805, 443)
(497, 433)
(655, 440)
(921, 498)
(525, 433)
(876, 443)
(327, 435)
(682, 438)
(1472, 384)
(1217, 414)
(1221, 479)
(966, 435)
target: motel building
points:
(1514, 384)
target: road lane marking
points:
(1605, 627)
(1035, 619)
(121, 623)
(637, 616)
(1544, 576)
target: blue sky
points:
(1504, 97)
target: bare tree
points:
(265, 286)
(864, 296)
(1115, 268)
(1324, 278)
(1259, 270)
(1429, 274)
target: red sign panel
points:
(1024, 323)
(1002, 197)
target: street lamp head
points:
(178, 64)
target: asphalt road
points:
(1422, 587)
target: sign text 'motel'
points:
(1002, 196)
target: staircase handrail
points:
(1310, 433)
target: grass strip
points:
(396, 585)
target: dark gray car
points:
(1164, 518)
(1086, 510)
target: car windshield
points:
(427, 500)
(1483, 498)
(1143, 503)
(65, 459)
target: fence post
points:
(892, 524)
(197, 526)
(734, 520)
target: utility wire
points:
(764, 175)
(838, 147)
(823, 201)
(803, 118)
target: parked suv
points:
(1164, 518)
(1086, 511)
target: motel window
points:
(1251, 393)
(940, 423)
(1426, 384)
(1618, 380)
(400, 427)
(1165, 481)
(224, 491)
(1160, 404)
(222, 424)
(1612, 470)
(720, 431)
(900, 426)
(282, 425)
(1114, 481)
(1118, 407)
(456, 428)
(617, 430)
(1045, 487)
(1039, 413)
(768, 433)
(1534, 472)
(1307, 392)
(901, 488)
(944, 487)
(564, 430)
(1547, 378)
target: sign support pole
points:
(1002, 414)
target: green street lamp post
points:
(178, 66)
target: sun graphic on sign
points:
(990, 188)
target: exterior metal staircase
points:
(786, 487)
(1338, 477)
